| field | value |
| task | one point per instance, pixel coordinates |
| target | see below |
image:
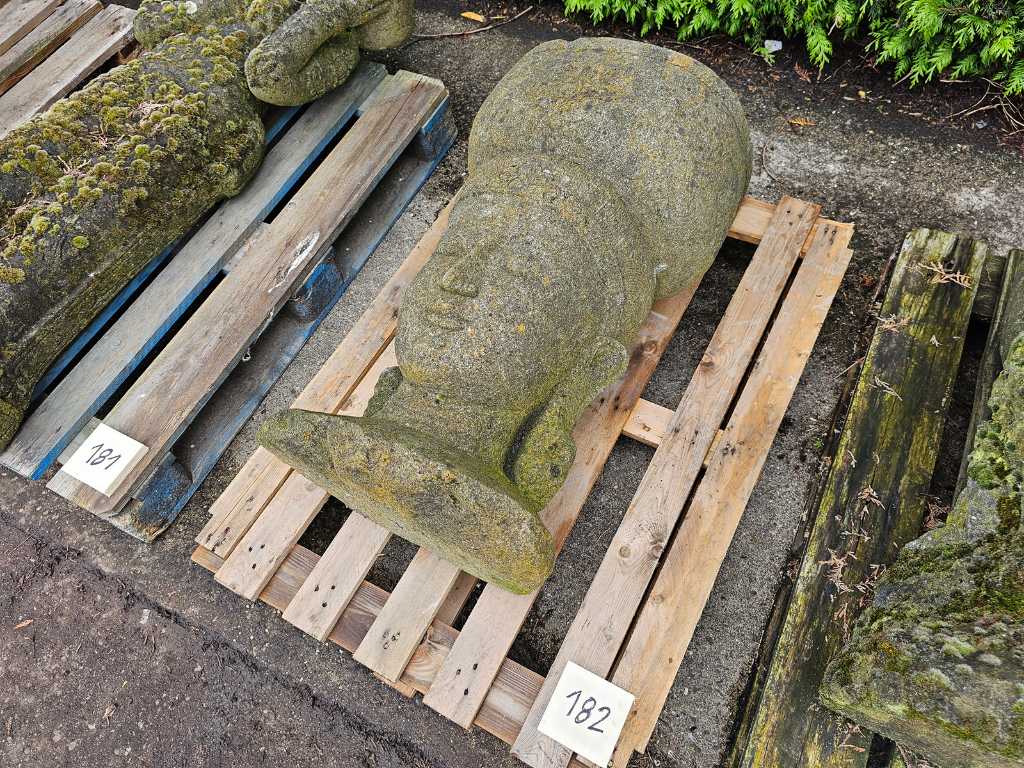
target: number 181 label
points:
(104, 459)
(586, 714)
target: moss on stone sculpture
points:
(604, 174)
(937, 663)
(100, 184)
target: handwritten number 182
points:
(586, 710)
(100, 454)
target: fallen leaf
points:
(800, 122)
(802, 73)
(862, 94)
(23, 624)
(473, 16)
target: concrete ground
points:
(133, 656)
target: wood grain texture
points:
(255, 290)
(22, 57)
(1009, 306)
(658, 642)
(462, 685)
(397, 630)
(514, 687)
(647, 423)
(263, 474)
(615, 594)
(108, 32)
(319, 603)
(20, 17)
(116, 354)
(872, 501)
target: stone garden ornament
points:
(105, 180)
(603, 175)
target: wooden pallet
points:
(181, 359)
(48, 47)
(724, 425)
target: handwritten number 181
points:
(586, 710)
(101, 454)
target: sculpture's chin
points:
(422, 490)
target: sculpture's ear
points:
(387, 385)
(608, 362)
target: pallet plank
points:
(399, 627)
(462, 685)
(647, 423)
(649, 661)
(876, 485)
(105, 34)
(263, 474)
(257, 289)
(510, 697)
(319, 603)
(50, 33)
(621, 580)
(116, 354)
(19, 18)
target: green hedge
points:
(921, 39)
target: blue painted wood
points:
(197, 450)
(280, 122)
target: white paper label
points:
(104, 459)
(586, 714)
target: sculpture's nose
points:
(459, 278)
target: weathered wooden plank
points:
(666, 623)
(989, 286)
(647, 423)
(105, 34)
(399, 628)
(463, 683)
(256, 290)
(319, 603)
(1005, 323)
(514, 687)
(873, 500)
(263, 474)
(50, 33)
(621, 580)
(17, 19)
(106, 366)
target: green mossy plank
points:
(1007, 322)
(873, 500)
(990, 287)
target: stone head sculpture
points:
(96, 187)
(603, 175)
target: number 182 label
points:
(586, 714)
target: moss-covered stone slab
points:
(937, 662)
(604, 174)
(100, 184)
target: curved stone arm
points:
(547, 449)
(311, 52)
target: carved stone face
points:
(603, 174)
(503, 305)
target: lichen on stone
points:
(951, 609)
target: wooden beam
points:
(105, 34)
(20, 17)
(873, 500)
(52, 32)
